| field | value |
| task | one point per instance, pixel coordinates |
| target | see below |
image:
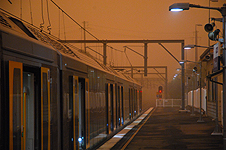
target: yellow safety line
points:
(127, 143)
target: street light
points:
(222, 10)
(200, 87)
(190, 46)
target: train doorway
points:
(109, 107)
(73, 112)
(29, 113)
(29, 110)
(84, 113)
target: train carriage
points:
(54, 96)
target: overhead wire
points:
(59, 25)
(79, 25)
(74, 20)
(42, 24)
(49, 26)
(127, 57)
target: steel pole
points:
(182, 77)
(145, 58)
(196, 52)
(200, 88)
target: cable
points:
(127, 57)
(78, 25)
(59, 25)
(49, 26)
(74, 20)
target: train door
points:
(87, 113)
(114, 105)
(84, 113)
(45, 108)
(25, 128)
(131, 101)
(130, 114)
(29, 109)
(119, 106)
(135, 102)
(74, 108)
(109, 108)
(122, 106)
(16, 124)
(107, 91)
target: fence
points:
(168, 102)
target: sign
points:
(216, 57)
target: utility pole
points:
(196, 41)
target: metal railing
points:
(168, 102)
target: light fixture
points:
(209, 27)
(213, 35)
(190, 46)
(179, 7)
(182, 62)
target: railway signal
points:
(160, 89)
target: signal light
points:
(160, 89)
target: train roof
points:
(66, 50)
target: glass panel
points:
(45, 111)
(28, 90)
(17, 109)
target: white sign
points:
(216, 57)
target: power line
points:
(49, 26)
(80, 25)
(74, 20)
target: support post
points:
(200, 88)
(193, 92)
(145, 58)
(182, 78)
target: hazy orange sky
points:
(124, 19)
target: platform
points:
(167, 129)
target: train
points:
(56, 96)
